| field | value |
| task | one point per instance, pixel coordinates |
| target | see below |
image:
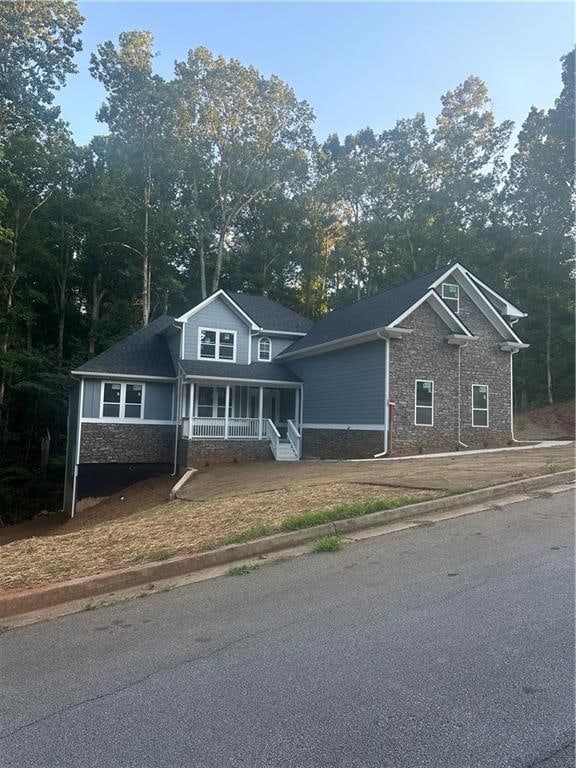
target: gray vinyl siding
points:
(216, 315)
(91, 406)
(278, 345)
(158, 403)
(345, 386)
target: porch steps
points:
(285, 451)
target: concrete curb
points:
(17, 602)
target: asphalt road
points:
(449, 646)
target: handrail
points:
(273, 435)
(294, 437)
(215, 428)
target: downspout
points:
(460, 399)
(386, 395)
(178, 418)
(512, 353)
(78, 438)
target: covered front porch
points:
(238, 411)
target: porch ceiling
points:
(256, 372)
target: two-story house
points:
(424, 366)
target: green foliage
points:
(243, 570)
(328, 544)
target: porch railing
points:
(273, 436)
(222, 428)
(295, 438)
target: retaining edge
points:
(32, 599)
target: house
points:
(423, 366)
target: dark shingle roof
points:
(367, 314)
(254, 372)
(269, 314)
(144, 353)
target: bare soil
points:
(224, 501)
(548, 423)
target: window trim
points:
(265, 359)
(416, 406)
(487, 409)
(218, 332)
(451, 298)
(122, 404)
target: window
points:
(451, 296)
(211, 403)
(264, 349)
(216, 345)
(479, 405)
(424, 410)
(122, 401)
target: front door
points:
(270, 404)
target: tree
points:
(242, 135)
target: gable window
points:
(211, 403)
(479, 405)
(451, 296)
(122, 401)
(424, 408)
(216, 345)
(265, 349)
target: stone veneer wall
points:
(425, 354)
(341, 443)
(127, 443)
(200, 453)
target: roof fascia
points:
(283, 333)
(107, 375)
(220, 294)
(327, 346)
(441, 309)
(254, 382)
(487, 309)
(511, 309)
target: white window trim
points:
(215, 406)
(487, 409)
(217, 358)
(451, 298)
(416, 406)
(121, 417)
(264, 359)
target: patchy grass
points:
(328, 544)
(243, 570)
(343, 511)
(551, 467)
(160, 531)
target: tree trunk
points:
(11, 284)
(44, 454)
(145, 250)
(548, 351)
(97, 295)
(202, 257)
(219, 260)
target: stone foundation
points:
(341, 443)
(201, 453)
(127, 443)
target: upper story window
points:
(216, 345)
(264, 349)
(479, 405)
(451, 295)
(424, 407)
(121, 400)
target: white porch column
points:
(297, 409)
(226, 416)
(260, 412)
(190, 409)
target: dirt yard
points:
(225, 501)
(550, 422)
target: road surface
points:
(448, 646)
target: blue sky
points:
(358, 64)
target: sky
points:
(357, 64)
